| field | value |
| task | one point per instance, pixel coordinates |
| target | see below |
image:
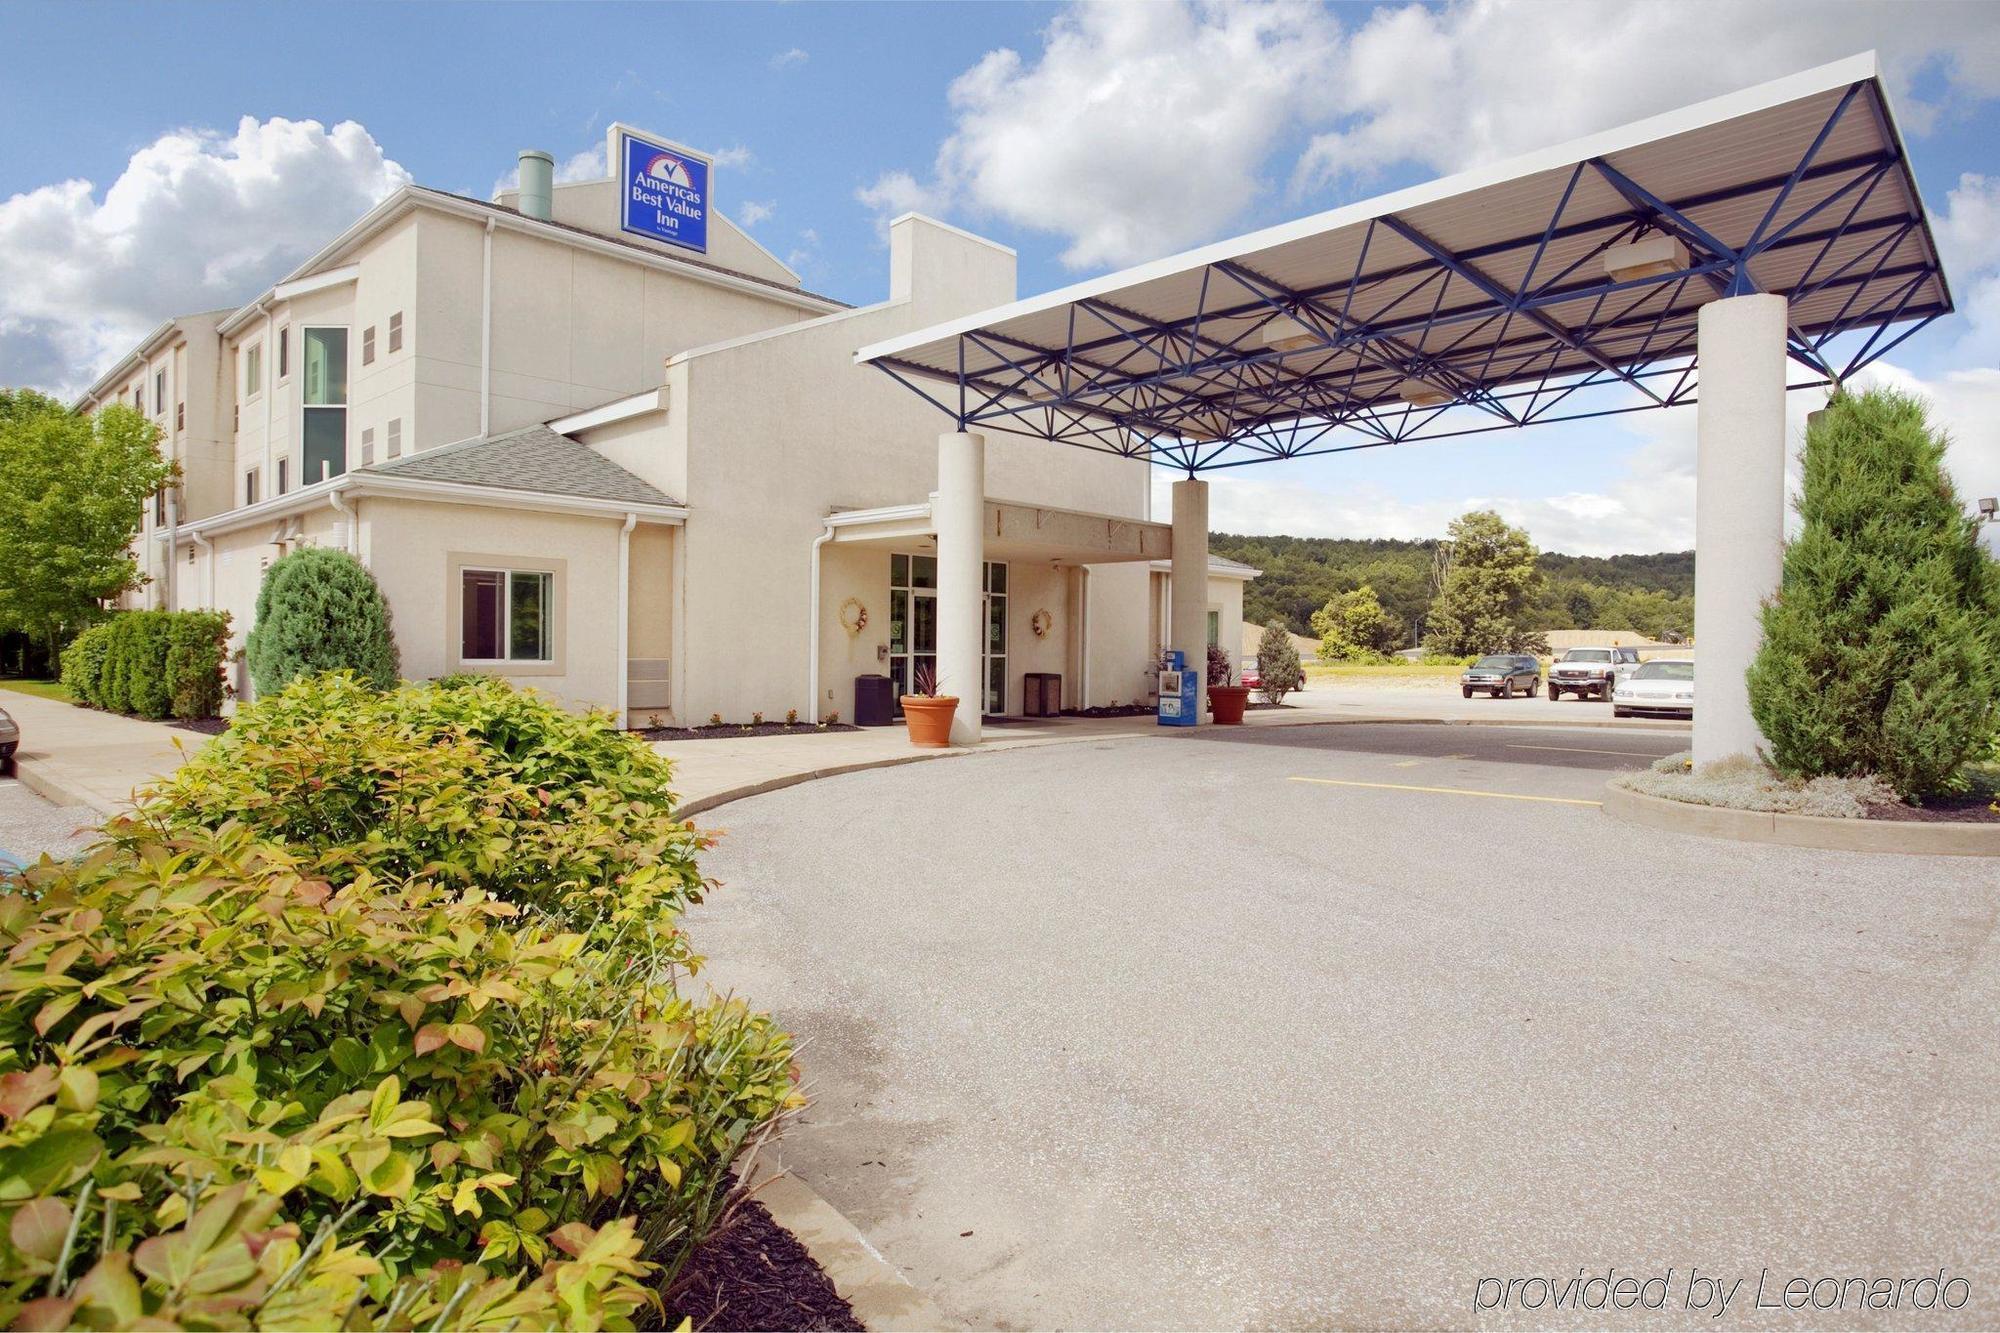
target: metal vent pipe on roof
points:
(538, 183)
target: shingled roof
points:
(534, 458)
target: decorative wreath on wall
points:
(853, 616)
(1041, 622)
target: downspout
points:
(348, 538)
(486, 333)
(205, 586)
(625, 620)
(813, 713)
(173, 547)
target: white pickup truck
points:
(1590, 673)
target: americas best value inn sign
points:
(665, 188)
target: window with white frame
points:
(159, 391)
(253, 369)
(396, 332)
(325, 404)
(506, 615)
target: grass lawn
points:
(47, 689)
(1335, 672)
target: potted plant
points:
(928, 712)
(1226, 702)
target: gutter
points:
(351, 486)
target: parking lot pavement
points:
(1148, 1032)
(30, 826)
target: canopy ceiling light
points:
(1289, 335)
(1651, 257)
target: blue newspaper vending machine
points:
(1177, 691)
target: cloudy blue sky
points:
(171, 158)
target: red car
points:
(1254, 678)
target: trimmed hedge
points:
(424, 1064)
(155, 664)
(320, 610)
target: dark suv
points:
(1590, 673)
(1501, 675)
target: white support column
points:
(1739, 510)
(959, 514)
(1187, 615)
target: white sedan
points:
(1663, 686)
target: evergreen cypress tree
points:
(1882, 648)
(320, 611)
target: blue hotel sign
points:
(666, 192)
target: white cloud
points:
(750, 212)
(1139, 128)
(197, 220)
(794, 56)
(588, 165)
(737, 156)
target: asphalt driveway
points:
(1323, 1025)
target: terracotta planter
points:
(929, 718)
(1227, 703)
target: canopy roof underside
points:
(1481, 302)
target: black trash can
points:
(874, 701)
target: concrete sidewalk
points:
(79, 756)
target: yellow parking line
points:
(1447, 791)
(1578, 749)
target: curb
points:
(701, 804)
(882, 1298)
(29, 770)
(1817, 831)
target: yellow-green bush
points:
(252, 1076)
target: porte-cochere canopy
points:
(1560, 285)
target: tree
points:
(320, 611)
(1881, 649)
(1354, 627)
(73, 491)
(1277, 662)
(1483, 602)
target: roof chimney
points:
(538, 183)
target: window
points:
(325, 405)
(368, 346)
(253, 369)
(284, 351)
(180, 416)
(139, 397)
(396, 332)
(160, 507)
(394, 440)
(1214, 628)
(159, 391)
(367, 446)
(506, 615)
(284, 480)
(250, 487)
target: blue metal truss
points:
(1262, 371)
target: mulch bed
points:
(732, 730)
(1968, 809)
(207, 726)
(754, 1275)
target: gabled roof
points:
(534, 458)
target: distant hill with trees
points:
(1652, 594)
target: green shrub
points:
(1277, 662)
(197, 644)
(1881, 650)
(320, 610)
(156, 664)
(212, 1061)
(472, 783)
(83, 664)
(370, 1017)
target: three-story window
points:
(324, 430)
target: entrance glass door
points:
(994, 676)
(913, 620)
